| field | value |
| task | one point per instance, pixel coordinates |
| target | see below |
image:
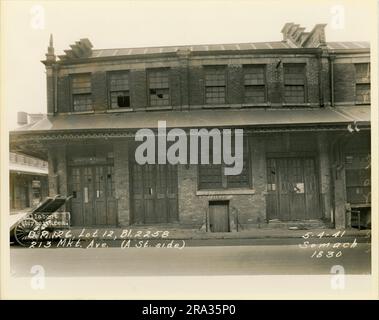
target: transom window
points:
(362, 83)
(119, 94)
(81, 92)
(215, 85)
(294, 83)
(159, 89)
(255, 83)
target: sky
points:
(26, 26)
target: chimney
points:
(22, 118)
(296, 35)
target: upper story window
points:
(119, 94)
(215, 85)
(81, 92)
(362, 82)
(159, 89)
(254, 83)
(294, 83)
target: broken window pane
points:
(119, 89)
(159, 87)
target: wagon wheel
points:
(23, 228)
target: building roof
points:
(106, 53)
(201, 118)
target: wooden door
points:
(154, 193)
(76, 189)
(292, 186)
(219, 216)
(150, 193)
(93, 203)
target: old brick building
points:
(304, 105)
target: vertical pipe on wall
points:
(55, 77)
(331, 59)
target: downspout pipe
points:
(55, 77)
(331, 67)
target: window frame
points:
(209, 67)
(109, 89)
(245, 67)
(169, 101)
(305, 84)
(364, 81)
(72, 94)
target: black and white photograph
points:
(189, 149)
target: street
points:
(248, 259)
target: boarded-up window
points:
(362, 86)
(294, 83)
(211, 176)
(159, 90)
(81, 92)
(215, 85)
(255, 83)
(119, 90)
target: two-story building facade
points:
(303, 104)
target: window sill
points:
(120, 110)
(295, 105)
(77, 112)
(225, 192)
(255, 105)
(162, 108)
(216, 106)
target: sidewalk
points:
(178, 233)
(191, 234)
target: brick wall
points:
(235, 88)
(138, 88)
(63, 94)
(187, 81)
(344, 82)
(99, 91)
(248, 210)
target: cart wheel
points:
(23, 228)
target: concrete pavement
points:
(206, 260)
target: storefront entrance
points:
(293, 192)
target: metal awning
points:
(219, 118)
(25, 169)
